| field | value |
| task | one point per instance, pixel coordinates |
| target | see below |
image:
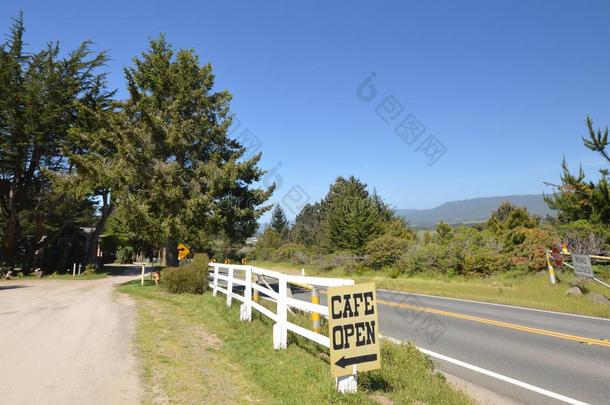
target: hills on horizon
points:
(472, 210)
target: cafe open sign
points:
(353, 329)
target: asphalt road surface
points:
(67, 342)
(561, 358)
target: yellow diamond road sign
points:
(183, 251)
(353, 329)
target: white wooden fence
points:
(257, 279)
(253, 279)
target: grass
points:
(195, 350)
(532, 290)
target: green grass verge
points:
(195, 350)
(532, 290)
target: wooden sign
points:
(353, 329)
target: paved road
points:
(564, 354)
(67, 342)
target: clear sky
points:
(504, 86)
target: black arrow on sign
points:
(343, 362)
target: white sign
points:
(582, 265)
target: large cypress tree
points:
(41, 96)
(186, 174)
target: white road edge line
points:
(489, 373)
(496, 304)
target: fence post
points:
(245, 310)
(315, 317)
(280, 331)
(348, 383)
(143, 271)
(74, 270)
(215, 282)
(230, 286)
(255, 292)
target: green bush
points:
(89, 270)
(124, 254)
(385, 251)
(191, 278)
(340, 259)
(287, 252)
(585, 237)
(527, 246)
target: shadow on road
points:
(12, 286)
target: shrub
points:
(585, 237)
(385, 250)
(191, 278)
(525, 245)
(89, 270)
(336, 260)
(286, 252)
(124, 254)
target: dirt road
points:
(67, 342)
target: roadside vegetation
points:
(195, 350)
(353, 232)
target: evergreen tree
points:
(307, 229)
(41, 98)
(352, 216)
(279, 223)
(576, 198)
(186, 174)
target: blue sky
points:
(504, 86)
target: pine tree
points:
(352, 216)
(577, 198)
(186, 174)
(279, 223)
(307, 229)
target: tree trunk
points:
(10, 237)
(106, 210)
(171, 253)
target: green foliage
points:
(391, 378)
(527, 246)
(279, 223)
(576, 199)
(339, 259)
(352, 216)
(269, 239)
(289, 252)
(385, 250)
(585, 237)
(398, 228)
(443, 231)
(508, 217)
(187, 174)
(44, 95)
(191, 278)
(307, 229)
(124, 254)
(90, 270)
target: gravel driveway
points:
(67, 342)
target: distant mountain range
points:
(472, 211)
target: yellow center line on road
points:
(544, 332)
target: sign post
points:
(353, 329)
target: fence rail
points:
(255, 281)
